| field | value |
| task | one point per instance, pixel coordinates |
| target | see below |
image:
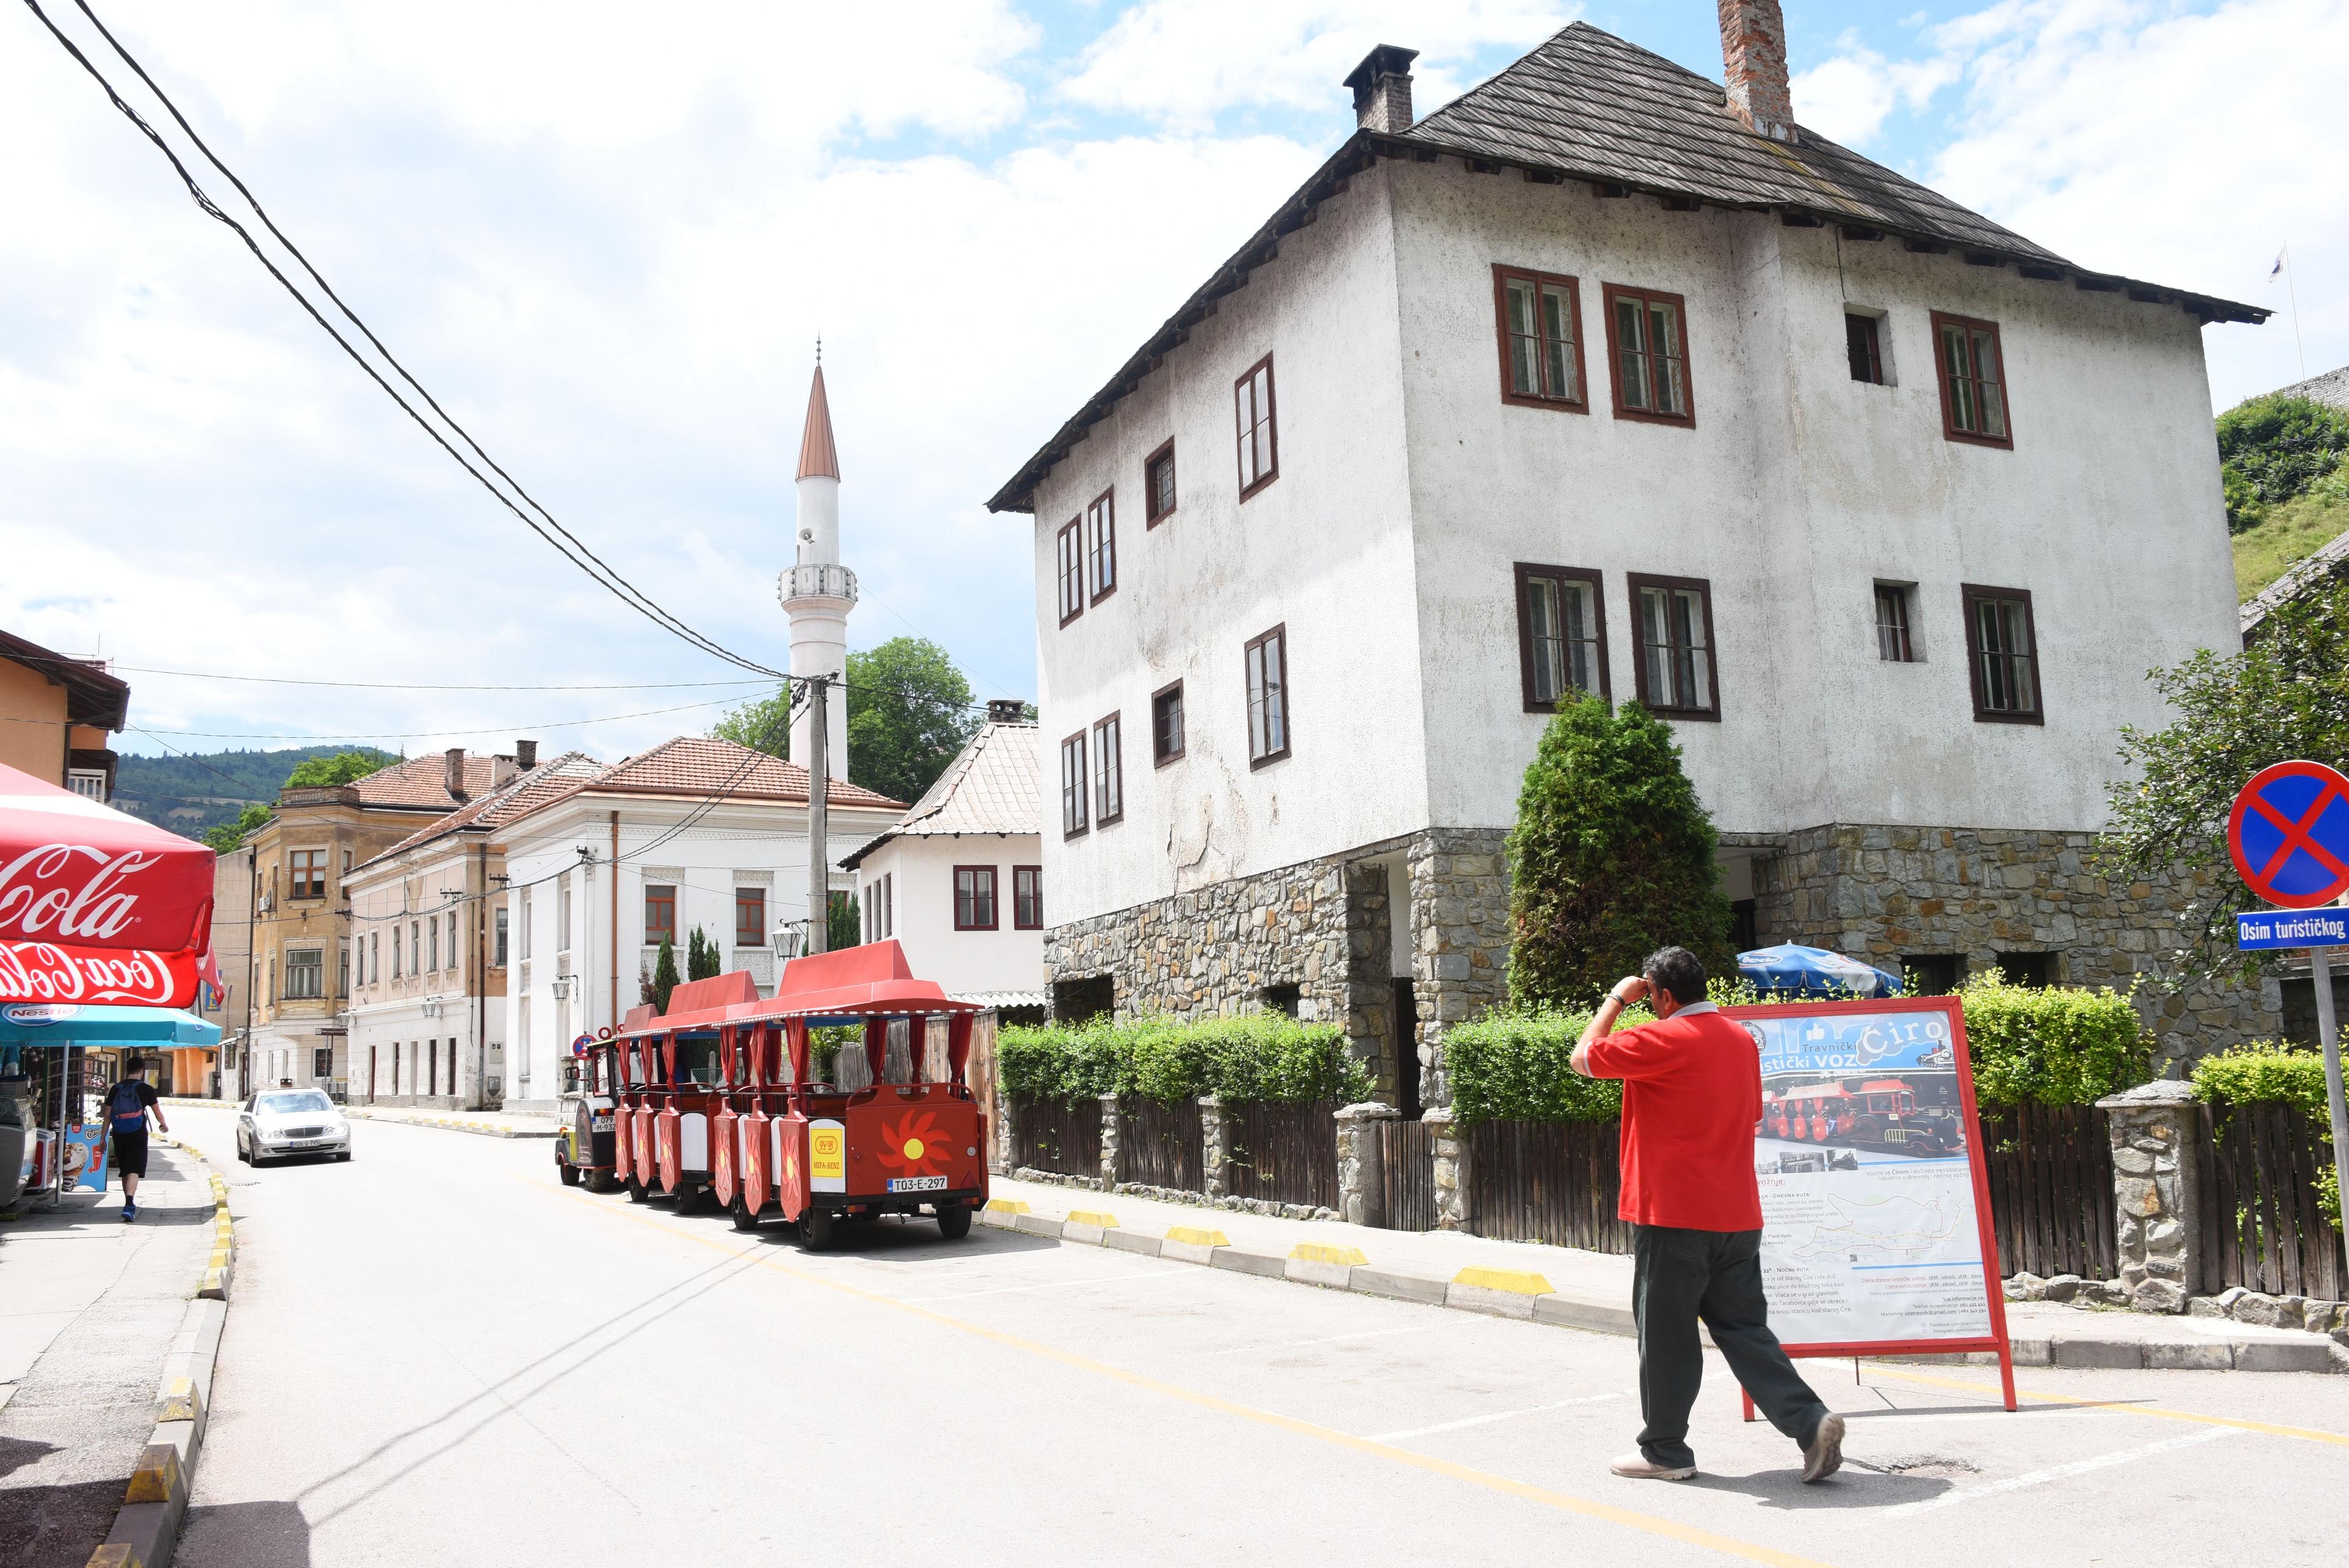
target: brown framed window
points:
(1863, 343)
(1069, 564)
(1895, 643)
(306, 869)
(1541, 344)
(750, 917)
(1100, 547)
(1027, 897)
(1647, 346)
(1109, 772)
(1252, 410)
(974, 898)
(1268, 696)
(1166, 725)
(306, 973)
(1973, 380)
(1075, 818)
(661, 913)
(1158, 486)
(2003, 649)
(1674, 616)
(1561, 634)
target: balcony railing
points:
(816, 582)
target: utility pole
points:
(819, 766)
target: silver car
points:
(281, 1124)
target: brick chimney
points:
(1006, 711)
(1753, 63)
(526, 754)
(456, 774)
(1381, 85)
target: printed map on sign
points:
(1864, 1156)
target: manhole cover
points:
(1928, 1467)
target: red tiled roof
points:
(424, 782)
(525, 792)
(701, 764)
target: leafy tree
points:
(909, 712)
(2285, 696)
(665, 979)
(342, 768)
(763, 724)
(1612, 858)
(844, 926)
(2273, 448)
(701, 960)
(229, 835)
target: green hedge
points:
(1257, 1057)
(2057, 1047)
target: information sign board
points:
(1875, 1222)
(2264, 929)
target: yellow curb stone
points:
(1006, 1206)
(1515, 1281)
(1323, 1252)
(179, 1402)
(114, 1554)
(1092, 1216)
(158, 1473)
(1192, 1235)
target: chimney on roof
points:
(1006, 711)
(503, 769)
(1753, 64)
(526, 754)
(456, 775)
(1381, 85)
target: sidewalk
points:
(1592, 1291)
(488, 1124)
(91, 1310)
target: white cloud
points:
(1182, 62)
(1848, 96)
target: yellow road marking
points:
(1629, 1518)
(2273, 1429)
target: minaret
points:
(816, 591)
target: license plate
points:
(601, 1124)
(918, 1184)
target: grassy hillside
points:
(2288, 533)
(204, 790)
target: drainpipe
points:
(480, 985)
(614, 1019)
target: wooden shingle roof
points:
(1589, 107)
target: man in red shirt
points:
(1692, 1096)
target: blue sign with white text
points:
(2291, 928)
(1885, 1041)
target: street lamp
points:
(790, 938)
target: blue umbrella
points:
(1788, 970)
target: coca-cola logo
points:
(38, 971)
(39, 895)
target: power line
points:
(385, 685)
(569, 544)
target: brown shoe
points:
(1639, 1467)
(1824, 1456)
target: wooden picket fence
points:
(1407, 1173)
(2260, 1225)
(1059, 1135)
(1162, 1145)
(1547, 1181)
(2050, 1173)
(1282, 1154)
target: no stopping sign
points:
(2289, 834)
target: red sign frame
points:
(2248, 799)
(1997, 1340)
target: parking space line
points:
(1496, 1416)
(2272, 1428)
(2055, 1473)
(1542, 1497)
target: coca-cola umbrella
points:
(97, 906)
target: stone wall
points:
(1880, 893)
(1324, 926)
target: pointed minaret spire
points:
(818, 457)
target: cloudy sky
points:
(606, 237)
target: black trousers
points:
(1680, 1277)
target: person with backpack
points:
(126, 1107)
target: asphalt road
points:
(436, 1353)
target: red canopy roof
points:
(95, 905)
(854, 981)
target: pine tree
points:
(665, 972)
(1612, 858)
(703, 962)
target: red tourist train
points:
(1879, 1113)
(712, 1099)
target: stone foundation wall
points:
(1879, 893)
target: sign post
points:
(2289, 838)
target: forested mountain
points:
(202, 790)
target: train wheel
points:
(953, 1222)
(568, 1171)
(638, 1192)
(816, 1229)
(743, 1219)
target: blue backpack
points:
(128, 1108)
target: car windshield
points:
(292, 1104)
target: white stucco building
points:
(695, 833)
(959, 881)
(1602, 377)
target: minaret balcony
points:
(816, 582)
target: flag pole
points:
(2293, 291)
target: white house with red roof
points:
(696, 832)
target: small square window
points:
(750, 917)
(2037, 972)
(1864, 344)
(1647, 346)
(661, 913)
(974, 898)
(1896, 638)
(1674, 616)
(1540, 317)
(1166, 725)
(2002, 648)
(1561, 635)
(1158, 486)
(1973, 381)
